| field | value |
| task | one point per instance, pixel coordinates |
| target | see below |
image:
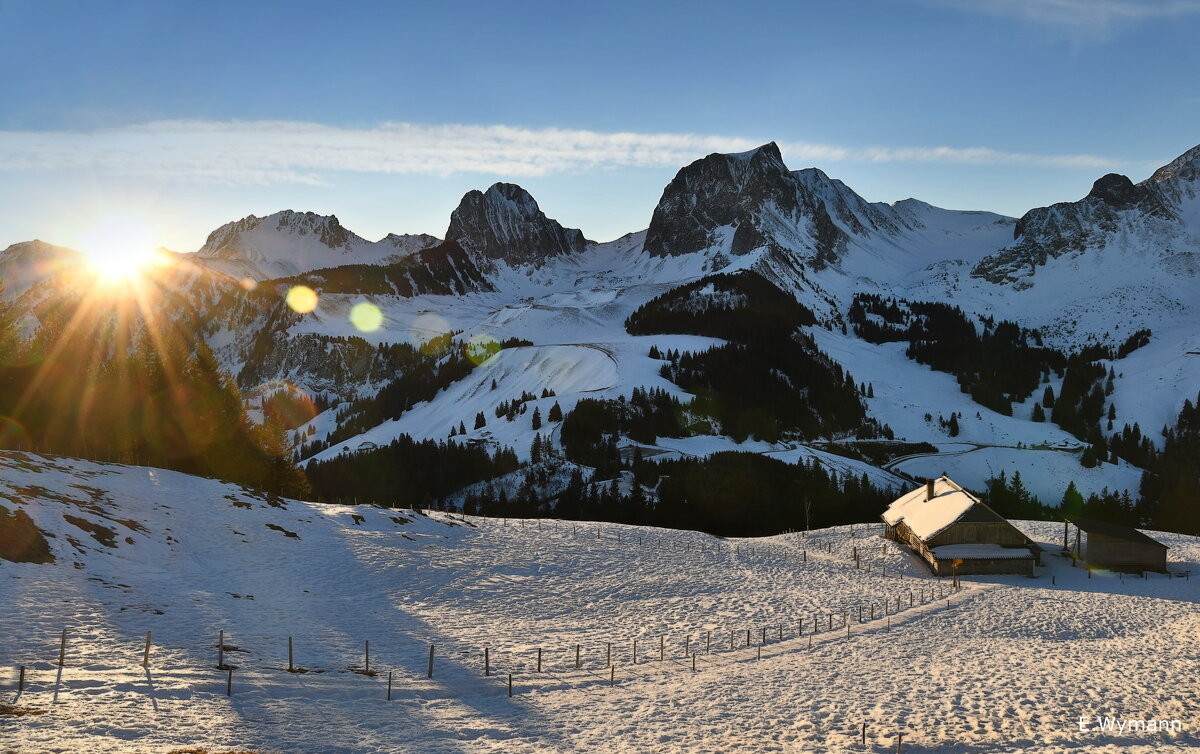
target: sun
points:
(119, 246)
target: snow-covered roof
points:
(981, 552)
(927, 517)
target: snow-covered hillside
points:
(288, 243)
(1008, 664)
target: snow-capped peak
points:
(505, 223)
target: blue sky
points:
(193, 114)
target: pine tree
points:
(870, 389)
(537, 419)
(1038, 414)
(462, 428)
(480, 421)
(555, 414)
(954, 425)
(1048, 397)
(535, 450)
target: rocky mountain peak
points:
(505, 223)
(736, 203)
(1185, 167)
(1115, 190)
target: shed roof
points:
(1128, 533)
(949, 504)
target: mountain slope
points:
(189, 557)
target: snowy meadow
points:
(785, 643)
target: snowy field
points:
(1007, 664)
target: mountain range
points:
(1095, 273)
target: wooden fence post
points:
(576, 656)
(221, 649)
(687, 645)
(146, 653)
(389, 698)
(612, 675)
(290, 668)
(864, 734)
(608, 660)
(487, 662)
(21, 681)
(539, 660)
(635, 651)
(708, 642)
(510, 685)
(62, 648)
(662, 647)
(429, 673)
(229, 681)
(367, 657)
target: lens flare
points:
(481, 347)
(302, 299)
(428, 326)
(366, 316)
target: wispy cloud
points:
(1090, 17)
(269, 152)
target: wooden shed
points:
(1119, 548)
(944, 524)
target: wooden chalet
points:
(1120, 548)
(946, 525)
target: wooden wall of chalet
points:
(1112, 552)
(990, 533)
(1022, 566)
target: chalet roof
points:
(949, 505)
(1128, 533)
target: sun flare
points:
(119, 246)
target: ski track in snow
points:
(1010, 664)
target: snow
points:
(926, 516)
(1009, 663)
(981, 552)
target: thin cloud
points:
(1090, 17)
(272, 152)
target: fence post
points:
(229, 681)
(612, 675)
(510, 685)
(635, 651)
(487, 661)
(662, 647)
(221, 649)
(539, 660)
(21, 681)
(864, 734)
(146, 654)
(62, 648)
(608, 660)
(290, 668)
(367, 658)
(576, 656)
(389, 698)
(429, 674)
